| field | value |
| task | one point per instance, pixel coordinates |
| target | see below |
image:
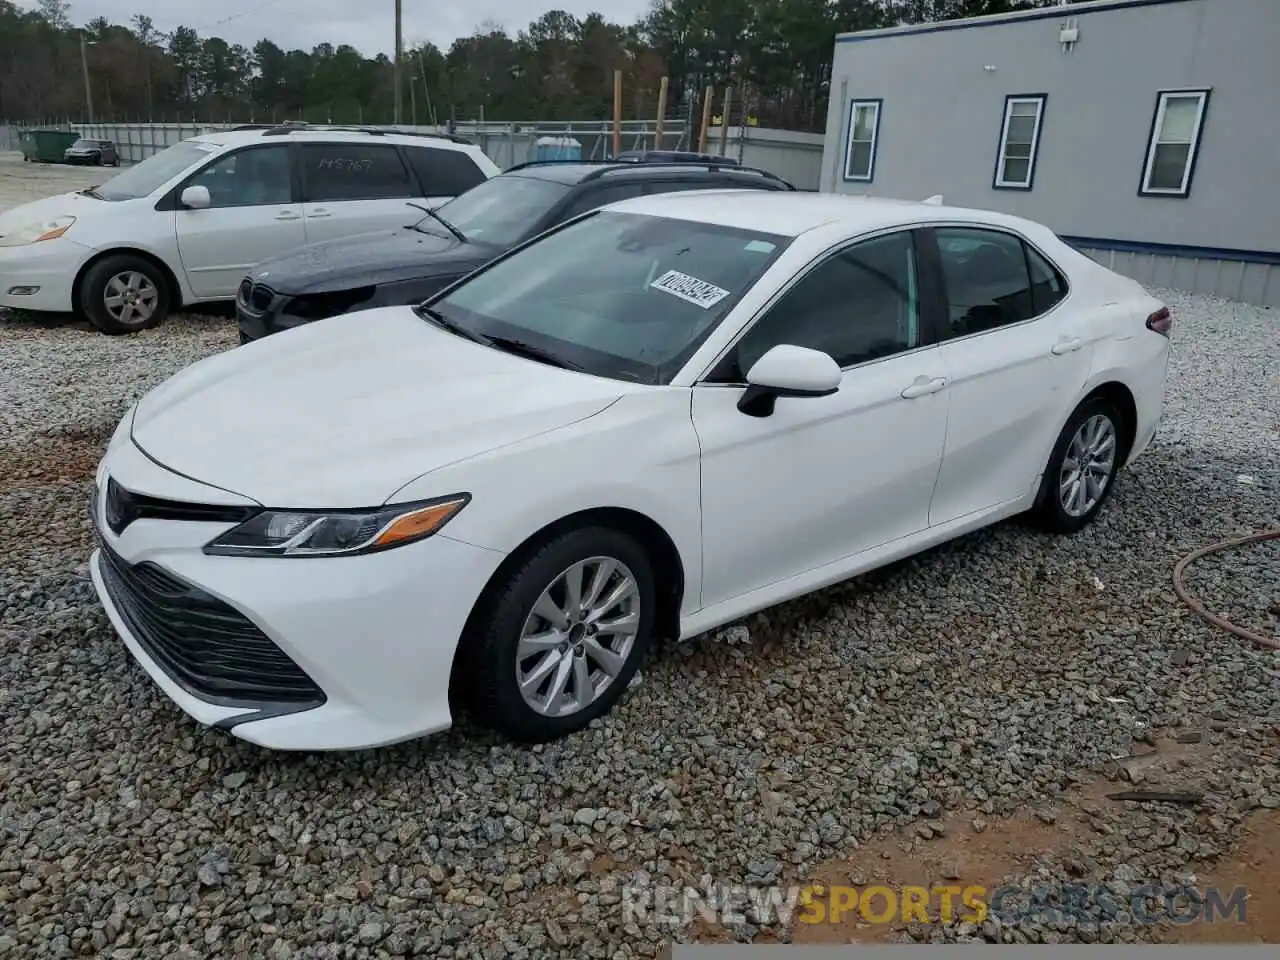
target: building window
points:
(1175, 140)
(1019, 142)
(864, 131)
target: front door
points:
(353, 188)
(251, 217)
(824, 478)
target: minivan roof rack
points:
(294, 126)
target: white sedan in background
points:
(660, 417)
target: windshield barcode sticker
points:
(691, 289)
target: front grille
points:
(122, 507)
(256, 297)
(261, 296)
(206, 646)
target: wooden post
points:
(706, 118)
(662, 114)
(617, 112)
(395, 69)
(724, 121)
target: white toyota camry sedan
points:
(660, 417)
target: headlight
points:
(305, 533)
(35, 232)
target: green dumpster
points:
(46, 146)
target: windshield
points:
(618, 295)
(145, 178)
(83, 144)
(502, 210)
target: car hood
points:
(38, 211)
(344, 412)
(371, 258)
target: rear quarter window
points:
(444, 173)
(346, 171)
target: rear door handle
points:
(923, 387)
(1067, 345)
(318, 212)
(287, 215)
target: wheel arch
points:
(1119, 394)
(668, 569)
(1114, 391)
(176, 299)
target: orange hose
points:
(1198, 608)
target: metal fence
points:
(506, 143)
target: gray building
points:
(1146, 132)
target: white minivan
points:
(186, 224)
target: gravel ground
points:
(992, 679)
(23, 182)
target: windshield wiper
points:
(92, 192)
(458, 234)
(529, 351)
(444, 323)
(505, 344)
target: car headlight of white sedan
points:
(29, 233)
(302, 533)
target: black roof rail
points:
(686, 165)
(293, 126)
(545, 163)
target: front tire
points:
(124, 294)
(1082, 468)
(556, 643)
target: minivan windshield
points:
(501, 210)
(145, 178)
(621, 295)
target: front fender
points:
(640, 454)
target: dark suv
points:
(406, 266)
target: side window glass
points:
(859, 304)
(1048, 286)
(986, 279)
(591, 198)
(346, 171)
(444, 173)
(248, 178)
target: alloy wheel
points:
(1088, 465)
(578, 637)
(130, 298)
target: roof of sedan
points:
(790, 214)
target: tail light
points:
(1161, 321)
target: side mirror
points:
(788, 371)
(196, 198)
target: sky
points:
(368, 25)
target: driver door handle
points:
(317, 212)
(288, 215)
(923, 386)
(1067, 345)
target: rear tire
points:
(124, 294)
(1082, 468)
(588, 651)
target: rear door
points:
(442, 174)
(1017, 351)
(252, 216)
(351, 188)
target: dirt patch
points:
(965, 851)
(1254, 865)
(64, 457)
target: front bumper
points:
(40, 276)
(377, 634)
